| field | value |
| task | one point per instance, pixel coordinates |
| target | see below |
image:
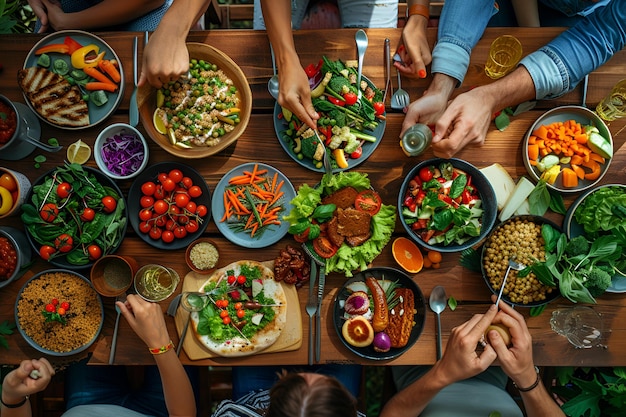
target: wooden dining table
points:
(386, 167)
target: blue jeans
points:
(252, 378)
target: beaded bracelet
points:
(532, 387)
(419, 9)
(162, 349)
(18, 405)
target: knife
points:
(318, 314)
(133, 109)
(387, 61)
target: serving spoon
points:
(272, 84)
(361, 46)
(437, 303)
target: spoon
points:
(117, 325)
(272, 84)
(361, 46)
(190, 301)
(437, 303)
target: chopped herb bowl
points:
(121, 151)
(447, 205)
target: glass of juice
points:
(155, 282)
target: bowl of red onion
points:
(121, 151)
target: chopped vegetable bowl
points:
(121, 151)
(447, 205)
(569, 147)
(74, 215)
(350, 126)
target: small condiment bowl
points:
(19, 193)
(100, 147)
(200, 264)
(112, 275)
(155, 282)
(17, 239)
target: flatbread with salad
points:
(245, 313)
(342, 220)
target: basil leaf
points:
(556, 203)
(539, 199)
(458, 185)
(324, 212)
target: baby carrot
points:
(96, 85)
(108, 67)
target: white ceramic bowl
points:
(103, 143)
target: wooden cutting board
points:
(290, 338)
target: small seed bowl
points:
(202, 256)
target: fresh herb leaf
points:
(537, 310)
(470, 259)
(452, 303)
(556, 202)
(539, 199)
(6, 329)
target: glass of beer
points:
(613, 106)
(155, 282)
(504, 54)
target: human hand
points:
(57, 19)
(165, 59)
(516, 361)
(295, 94)
(40, 11)
(460, 359)
(146, 319)
(425, 110)
(413, 48)
(465, 121)
(18, 383)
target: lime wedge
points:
(78, 152)
(159, 123)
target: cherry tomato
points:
(160, 207)
(187, 182)
(148, 188)
(61, 311)
(324, 247)
(195, 191)
(159, 221)
(88, 214)
(379, 107)
(7, 181)
(162, 177)
(159, 192)
(155, 233)
(94, 252)
(109, 204)
(146, 201)
(368, 201)
(46, 251)
(182, 199)
(226, 320)
(176, 175)
(145, 215)
(170, 225)
(167, 236)
(54, 301)
(64, 242)
(168, 184)
(201, 210)
(145, 227)
(224, 313)
(350, 98)
(241, 313)
(241, 279)
(357, 154)
(180, 232)
(191, 207)
(65, 305)
(336, 101)
(426, 174)
(238, 306)
(49, 212)
(64, 189)
(50, 308)
(192, 226)
(231, 280)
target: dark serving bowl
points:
(514, 245)
(61, 261)
(67, 291)
(478, 180)
(390, 274)
(150, 174)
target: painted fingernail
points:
(401, 48)
(422, 73)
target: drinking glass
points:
(613, 106)
(581, 325)
(155, 282)
(504, 54)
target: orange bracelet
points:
(162, 349)
(419, 9)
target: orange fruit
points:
(436, 266)
(407, 255)
(427, 262)
(434, 256)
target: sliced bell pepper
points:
(81, 57)
(60, 48)
(71, 44)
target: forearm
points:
(23, 411)
(180, 18)
(539, 403)
(277, 16)
(510, 90)
(110, 13)
(412, 400)
(177, 389)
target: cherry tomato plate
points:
(97, 114)
(358, 282)
(273, 232)
(19, 320)
(189, 187)
(368, 148)
(414, 190)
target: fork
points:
(400, 98)
(327, 166)
(311, 307)
(512, 265)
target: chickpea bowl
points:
(517, 238)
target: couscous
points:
(203, 255)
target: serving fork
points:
(400, 98)
(311, 307)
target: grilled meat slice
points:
(342, 198)
(353, 222)
(401, 318)
(333, 233)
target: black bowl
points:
(487, 196)
(32, 342)
(390, 274)
(534, 219)
(61, 261)
(150, 174)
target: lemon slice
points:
(159, 123)
(78, 152)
